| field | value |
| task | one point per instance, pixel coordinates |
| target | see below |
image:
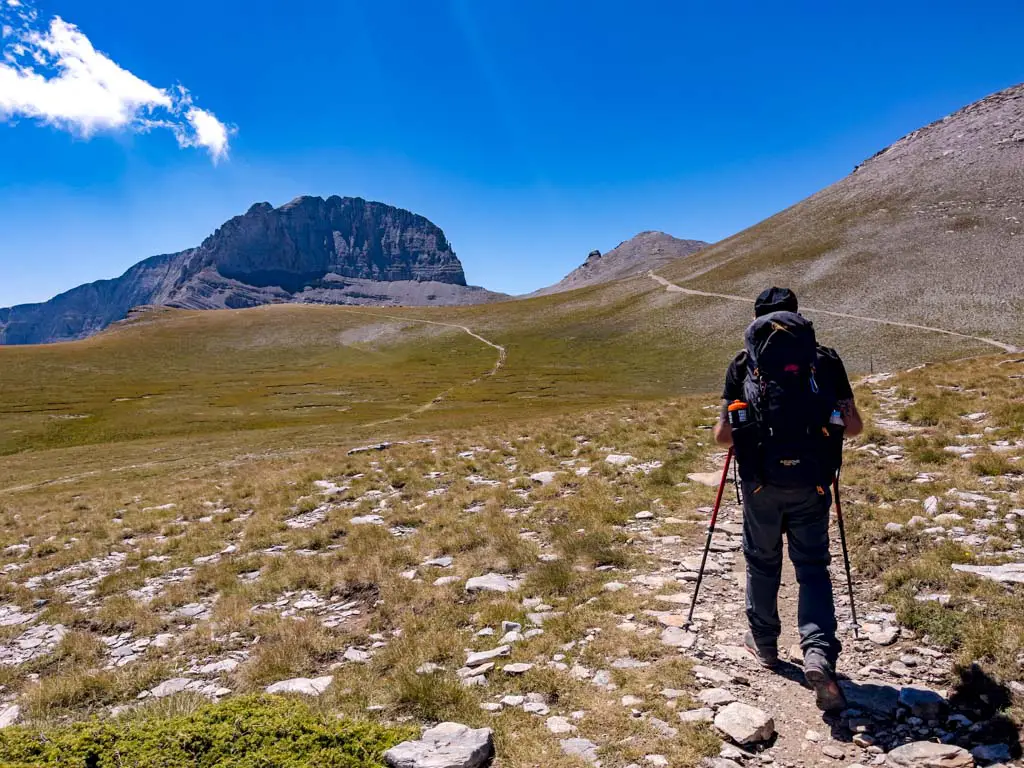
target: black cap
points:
(775, 300)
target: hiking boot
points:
(766, 657)
(822, 678)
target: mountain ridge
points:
(335, 250)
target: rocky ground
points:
(536, 584)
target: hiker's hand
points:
(723, 429)
(851, 417)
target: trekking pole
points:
(846, 553)
(711, 530)
(736, 481)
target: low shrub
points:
(245, 732)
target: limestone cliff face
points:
(310, 237)
(342, 250)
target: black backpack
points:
(790, 396)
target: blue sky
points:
(531, 131)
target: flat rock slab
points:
(678, 638)
(745, 724)
(560, 726)
(1008, 573)
(304, 685)
(871, 695)
(584, 749)
(516, 669)
(716, 697)
(170, 687)
(482, 657)
(710, 479)
(492, 582)
(928, 754)
(448, 745)
(702, 715)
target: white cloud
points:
(56, 76)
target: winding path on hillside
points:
(499, 363)
(674, 288)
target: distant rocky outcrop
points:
(342, 250)
(645, 251)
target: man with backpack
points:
(788, 402)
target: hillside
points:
(930, 230)
(311, 250)
(647, 250)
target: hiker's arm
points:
(851, 417)
(723, 429)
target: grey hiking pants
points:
(802, 514)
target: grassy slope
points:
(512, 524)
(291, 378)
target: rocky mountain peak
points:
(338, 250)
(644, 251)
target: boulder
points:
(303, 685)
(928, 754)
(744, 724)
(544, 478)
(448, 745)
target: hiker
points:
(787, 404)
